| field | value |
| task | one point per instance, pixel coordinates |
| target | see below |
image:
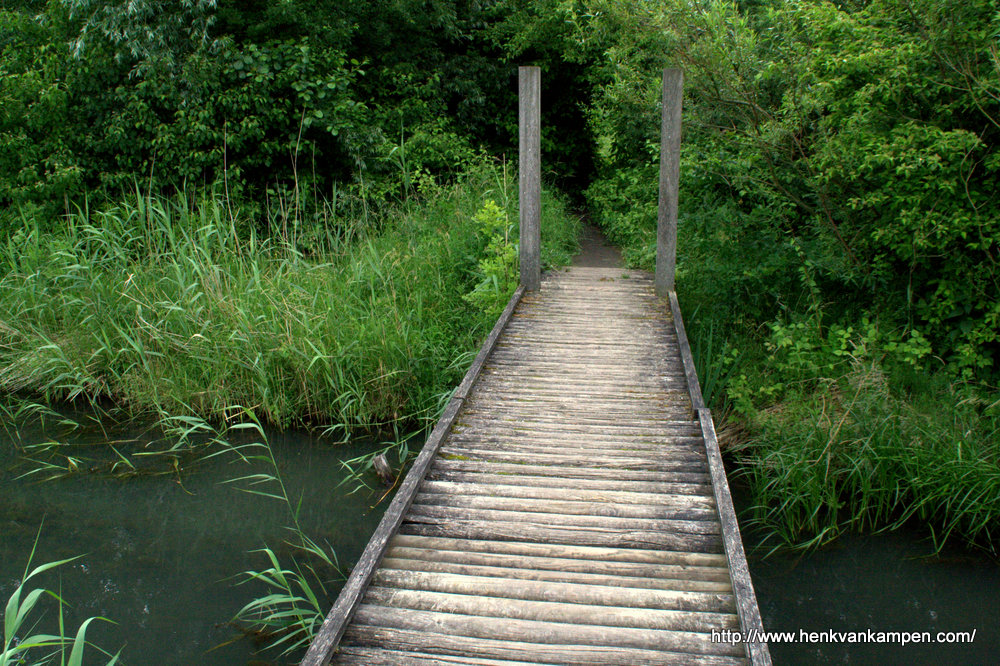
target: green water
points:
(161, 553)
(885, 583)
(878, 582)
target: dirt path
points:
(596, 251)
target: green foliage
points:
(97, 93)
(163, 306)
(853, 454)
(498, 267)
(866, 132)
(23, 642)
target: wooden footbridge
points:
(570, 506)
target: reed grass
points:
(177, 306)
(23, 643)
(856, 453)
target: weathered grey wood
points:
(608, 462)
(479, 413)
(746, 598)
(577, 508)
(681, 521)
(571, 493)
(321, 649)
(472, 375)
(559, 534)
(585, 446)
(548, 633)
(530, 179)
(504, 470)
(563, 551)
(507, 488)
(551, 611)
(516, 573)
(635, 574)
(364, 656)
(571, 593)
(694, 387)
(581, 489)
(465, 647)
(670, 152)
(693, 567)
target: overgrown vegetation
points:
(161, 306)
(24, 643)
(211, 208)
(839, 221)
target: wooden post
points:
(670, 153)
(530, 188)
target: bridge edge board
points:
(322, 649)
(746, 599)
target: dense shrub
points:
(867, 133)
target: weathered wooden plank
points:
(746, 598)
(584, 384)
(594, 462)
(583, 553)
(570, 593)
(638, 574)
(504, 470)
(694, 388)
(557, 576)
(603, 368)
(638, 347)
(549, 633)
(365, 656)
(610, 412)
(587, 382)
(582, 655)
(559, 534)
(586, 490)
(608, 407)
(680, 520)
(550, 611)
(584, 447)
(678, 448)
(678, 504)
(541, 421)
(575, 356)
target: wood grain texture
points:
(569, 509)
(670, 156)
(530, 174)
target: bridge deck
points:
(564, 510)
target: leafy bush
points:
(866, 132)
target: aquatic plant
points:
(291, 613)
(23, 643)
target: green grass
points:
(856, 454)
(175, 307)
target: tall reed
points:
(173, 305)
(855, 455)
(23, 643)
